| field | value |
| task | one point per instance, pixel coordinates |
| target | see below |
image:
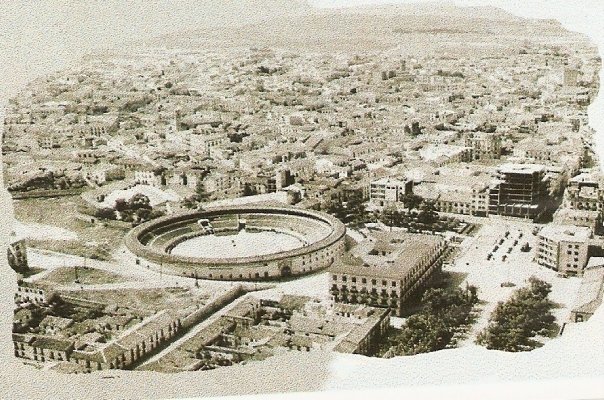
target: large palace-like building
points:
(385, 270)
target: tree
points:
(423, 333)
(427, 213)
(200, 191)
(105, 213)
(139, 201)
(120, 205)
(539, 288)
(333, 207)
(526, 314)
(61, 183)
(389, 215)
(412, 201)
(355, 208)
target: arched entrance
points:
(286, 271)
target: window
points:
(335, 277)
(384, 283)
(363, 280)
(373, 282)
(344, 279)
(354, 280)
(393, 283)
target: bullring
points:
(253, 242)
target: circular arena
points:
(238, 243)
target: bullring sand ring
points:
(238, 243)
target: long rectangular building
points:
(383, 271)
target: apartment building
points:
(388, 190)
(563, 248)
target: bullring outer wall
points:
(312, 257)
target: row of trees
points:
(194, 201)
(49, 180)
(515, 323)
(445, 313)
(426, 213)
(351, 211)
(137, 209)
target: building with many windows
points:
(584, 192)
(17, 254)
(388, 190)
(383, 271)
(485, 146)
(563, 248)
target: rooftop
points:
(567, 233)
(511, 168)
(388, 255)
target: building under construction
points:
(521, 191)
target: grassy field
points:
(95, 240)
(31, 272)
(86, 276)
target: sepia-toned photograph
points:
(248, 197)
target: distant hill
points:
(415, 29)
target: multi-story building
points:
(388, 190)
(463, 195)
(563, 248)
(442, 154)
(571, 76)
(385, 270)
(17, 255)
(31, 293)
(588, 218)
(485, 146)
(584, 192)
(521, 191)
(147, 177)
